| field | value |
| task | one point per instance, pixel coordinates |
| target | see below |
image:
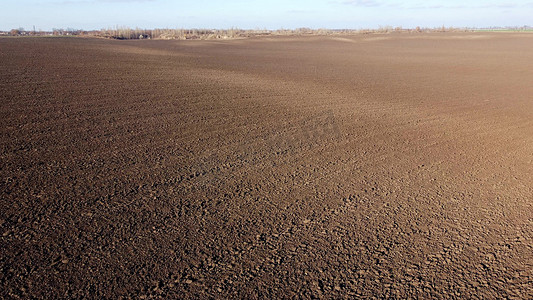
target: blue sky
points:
(260, 14)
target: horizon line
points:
(119, 27)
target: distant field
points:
(277, 167)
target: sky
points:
(262, 14)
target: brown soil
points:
(387, 166)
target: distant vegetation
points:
(125, 33)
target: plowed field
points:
(314, 167)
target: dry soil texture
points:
(369, 166)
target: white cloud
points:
(363, 3)
(70, 2)
(435, 4)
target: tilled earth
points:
(286, 167)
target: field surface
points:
(286, 167)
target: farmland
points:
(387, 165)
